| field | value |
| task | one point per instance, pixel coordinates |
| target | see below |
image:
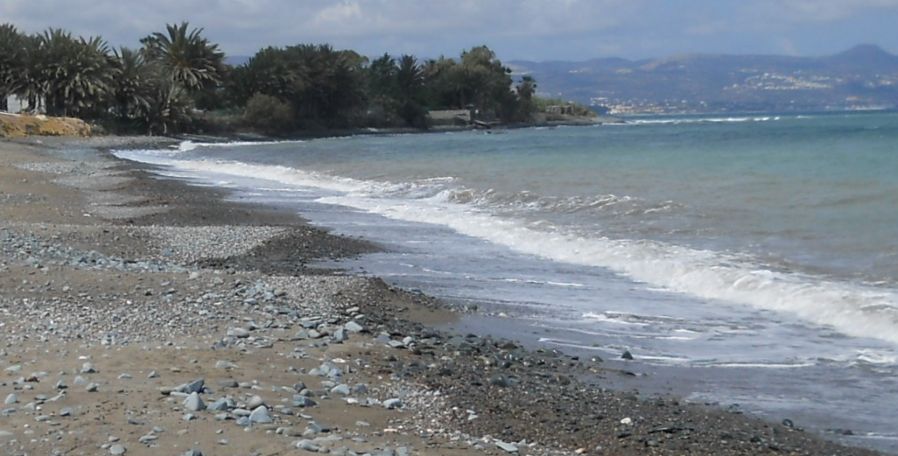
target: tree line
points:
(177, 81)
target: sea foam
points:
(851, 308)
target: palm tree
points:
(12, 62)
(410, 76)
(188, 62)
(133, 85)
(74, 76)
(189, 59)
(30, 82)
(95, 73)
(410, 79)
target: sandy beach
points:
(146, 316)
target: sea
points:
(745, 261)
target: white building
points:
(14, 104)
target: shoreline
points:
(512, 394)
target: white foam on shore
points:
(853, 309)
(188, 146)
(680, 121)
(760, 365)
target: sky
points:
(515, 29)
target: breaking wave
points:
(851, 308)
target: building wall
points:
(14, 104)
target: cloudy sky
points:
(516, 29)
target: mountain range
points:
(863, 77)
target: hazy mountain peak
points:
(863, 77)
(865, 51)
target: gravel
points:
(243, 289)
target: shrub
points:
(268, 115)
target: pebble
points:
(11, 399)
(507, 447)
(222, 364)
(353, 327)
(147, 439)
(239, 333)
(260, 415)
(307, 445)
(303, 401)
(254, 402)
(117, 450)
(339, 336)
(395, 344)
(219, 405)
(342, 389)
(391, 404)
(194, 403)
(195, 386)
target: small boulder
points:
(194, 403)
(260, 415)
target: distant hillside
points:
(864, 77)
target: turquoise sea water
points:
(759, 243)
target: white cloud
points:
(825, 10)
(524, 28)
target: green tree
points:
(73, 75)
(12, 62)
(325, 87)
(268, 114)
(133, 87)
(410, 82)
(186, 62)
(383, 89)
(484, 82)
(526, 89)
(441, 88)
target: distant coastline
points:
(860, 78)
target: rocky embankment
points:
(141, 316)
(21, 125)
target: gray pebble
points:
(260, 415)
(194, 403)
(342, 389)
(307, 445)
